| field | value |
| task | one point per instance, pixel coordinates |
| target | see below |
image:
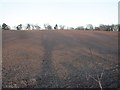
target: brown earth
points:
(59, 59)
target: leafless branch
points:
(98, 80)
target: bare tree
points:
(102, 27)
(28, 27)
(109, 27)
(89, 27)
(80, 28)
(106, 27)
(71, 28)
(62, 27)
(97, 28)
(47, 27)
(115, 28)
(19, 27)
(33, 27)
(37, 27)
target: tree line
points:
(101, 27)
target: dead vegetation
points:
(60, 59)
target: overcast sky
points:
(66, 12)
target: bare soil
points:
(59, 59)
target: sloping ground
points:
(64, 59)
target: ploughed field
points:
(59, 59)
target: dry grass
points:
(65, 59)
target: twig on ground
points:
(98, 80)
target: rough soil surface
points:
(59, 59)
